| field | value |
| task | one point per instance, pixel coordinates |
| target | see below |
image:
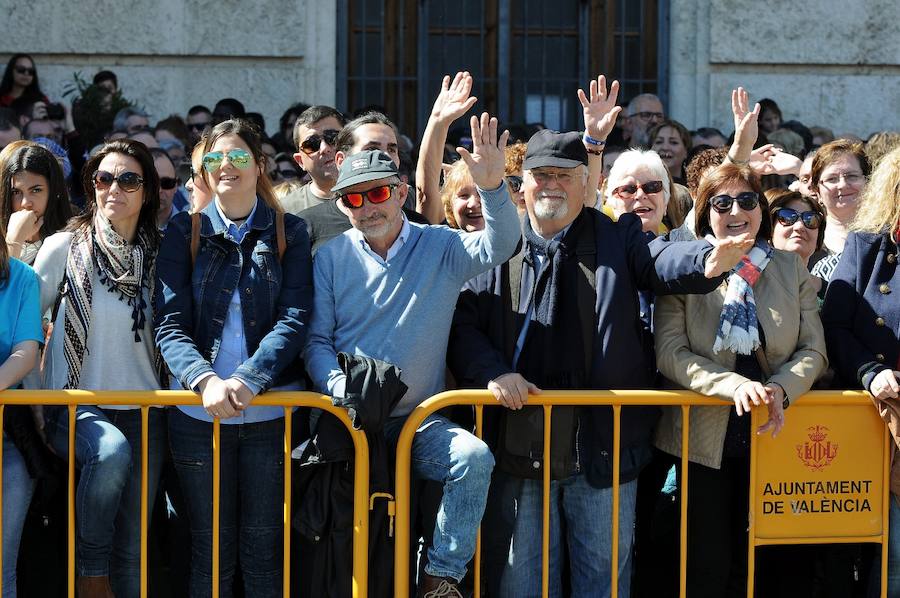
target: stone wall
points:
(172, 54)
(832, 63)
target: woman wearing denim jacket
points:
(229, 327)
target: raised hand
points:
(487, 160)
(600, 111)
(23, 225)
(746, 125)
(453, 100)
(727, 253)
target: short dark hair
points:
(721, 176)
(197, 109)
(160, 153)
(257, 119)
(770, 105)
(294, 111)
(229, 108)
(150, 188)
(7, 124)
(346, 139)
(102, 76)
(709, 132)
(314, 114)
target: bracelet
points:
(736, 162)
(594, 152)
(591, 141)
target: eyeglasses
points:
(788, 217)
(542, 178)
(198, 126)
(239, 158)
(514, 182)
(851, 178)
(628, 191)
(748, 200)
(24, 70)
(647, 116)
(379, 194)
(311, 144)
(128, 181)
(167, 183)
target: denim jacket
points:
(276, 297)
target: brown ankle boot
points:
(93, 587)
(437, 587)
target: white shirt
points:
(393, 250)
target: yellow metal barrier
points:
(617, 399)
(146, 399)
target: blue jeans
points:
(108, 497)
(588, 515)
(444, 452)
(251, 500)
(17, 490)
(893, 560)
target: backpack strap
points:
(279, 234)
(195, 237)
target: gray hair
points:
(632, 105)
(629, 161)
(121, 119)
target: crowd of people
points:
(334, 255)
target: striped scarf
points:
(122, 268)
(738, 324)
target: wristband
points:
(591, 141)
(594, 152)
(736, 162)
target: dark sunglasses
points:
(514, 182)
(789, 217)
(288, 174)
(24, 70)
(238, 157)
(748, 200)
(379, 194)
(628, 191)
(311, 144)
(167, 183)
(128, 181)
(198, 126)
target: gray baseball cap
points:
(367, 165)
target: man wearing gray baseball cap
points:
(387, 289)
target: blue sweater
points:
(400, 311)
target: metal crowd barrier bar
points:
(146, 399)
(616, 399)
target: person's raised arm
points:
(452, 102)
(746, 126)
(600, 112)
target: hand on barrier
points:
(239, 395)
(775, 404)
(886, 385)
(600, 111)
(512, 390)
(487, 160)
(215, 394)
(748, 394)
(727, 253)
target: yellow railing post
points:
(683, 495)
(479, 421)
(1, 497)
(545, 505)
(617, 450)
(145, 499)
(288, 414)
(71, 535)
(216, 481)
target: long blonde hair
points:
(879, 209)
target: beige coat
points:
(685, 331)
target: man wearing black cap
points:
(386, 289)
(563, 314)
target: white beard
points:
(551, 209)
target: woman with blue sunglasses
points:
(234, 293)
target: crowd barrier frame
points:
(151, 399)
(615, 399)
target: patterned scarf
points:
(738, 324)
(124, 269)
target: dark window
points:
(527, 56)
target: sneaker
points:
(438, 587)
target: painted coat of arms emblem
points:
(818, 452)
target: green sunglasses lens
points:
(239, 158)
(212, 161)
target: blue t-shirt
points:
(20, 309)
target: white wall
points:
(833, 63)
(172, 54)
